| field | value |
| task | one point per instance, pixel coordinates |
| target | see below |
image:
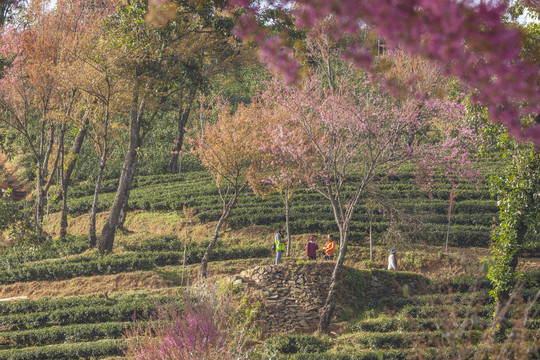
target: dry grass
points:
(164, 223)
(164, 277)
(147, 280)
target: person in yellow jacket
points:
(329, 247)
(280, 241)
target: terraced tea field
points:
(421, 216)
(93, 324)
(451, 320)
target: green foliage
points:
(392, 340)
(90, 265)
(61, 334)
(413, 258)
(517, 191)
(157, 243)
(24, 252)
(168, 243)
(118, 311)
(85, 350)
(292, 344)
(382, 325)
(61, 269)
(18, 222)
(53, 304)
(473, 212)
(365, 355)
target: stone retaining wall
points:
(294, 295)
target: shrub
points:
(157, 243)
(83, 266)
(18, 222)
(122, 311)
(60, 334)
(292, 344)
(361, 355)
(310, 212)
(88, 265)
(84, 350)
(53, 304)
(210, 327)
(381, 325)
(24, 252)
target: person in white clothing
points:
(392, 260)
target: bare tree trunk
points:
(343, 219)
(46, 176)
(76, 149)
(92, 238)
(370, 235)
(63, 184)
(183, 116)
(39, 180)
(206, 256)
(125, 207)
(39, 199)
(42, 175)
(227, 207)
(287, 225)
(451, 202)
(330, 304)
(447, 233)
(106, 240)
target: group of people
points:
(280, 242)
(328, 249)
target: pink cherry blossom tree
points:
(340, 133)
(468, 39)
(268, 175)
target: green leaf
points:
(405, 290)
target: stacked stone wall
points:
(293, 295)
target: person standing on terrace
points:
(329, 247)
(280, 242)
(392, 260)
(311, 248)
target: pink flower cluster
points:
(326, 134)
(192, 336)
(468, 38)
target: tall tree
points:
(339, 132)
(149, 57)
(269, 175)
(97, 75)
(29, 88)
(516, 189)
(227, 149)
(37, 100)
(137, 50)
(213, 53)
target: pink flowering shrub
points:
(209, 326)
(176, 334)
